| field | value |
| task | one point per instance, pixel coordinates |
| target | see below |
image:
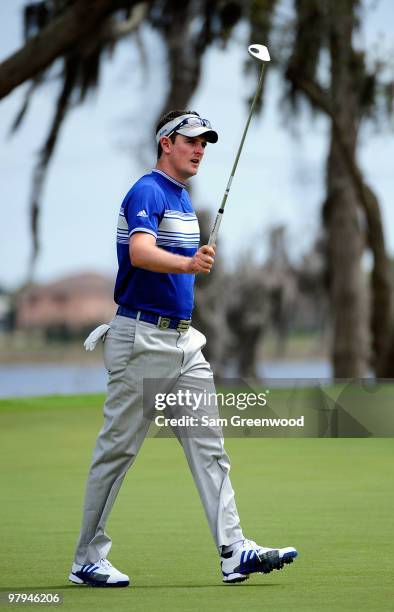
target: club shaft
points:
(218, 220)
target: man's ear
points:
(165, 144)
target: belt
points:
(181, 325)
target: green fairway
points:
(331, 498)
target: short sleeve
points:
(143, 210)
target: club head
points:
(259, 52)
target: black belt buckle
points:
(183, 325)
(163, 323)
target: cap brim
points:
(210, 135)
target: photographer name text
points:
(235, 421)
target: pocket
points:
(119, 344)
(198, 337)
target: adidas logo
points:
(142, 213)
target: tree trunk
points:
(343, 216)
(382, 324)
(347, 290)
(341, 102)
(247, 316)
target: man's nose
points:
(199, 148)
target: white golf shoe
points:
(100, 574)
(251, 558)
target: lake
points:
(21, 380)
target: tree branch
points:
(138, 14)
(52, 42)
(316, 95)
(381, 278)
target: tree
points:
(248, 311)
(78, 32)
(327, 26)
(280, 283)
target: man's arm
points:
(145, 254)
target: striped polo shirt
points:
(158, 205)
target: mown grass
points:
(331, 498)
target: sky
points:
(280, 176)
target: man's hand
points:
(203, 260)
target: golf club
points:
(261, 53)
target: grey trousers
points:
(134, 350)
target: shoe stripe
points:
(88, 569)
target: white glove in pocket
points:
(93, 338)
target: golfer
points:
(151, 336)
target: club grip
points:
(215, 230)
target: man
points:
(150, 336)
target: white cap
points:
(193, 128)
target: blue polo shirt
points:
(157, 205)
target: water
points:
(295, 369)
(51, 379)
(62, 379)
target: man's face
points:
(184, 155)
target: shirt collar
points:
(169, 178)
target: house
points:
(70, 304)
